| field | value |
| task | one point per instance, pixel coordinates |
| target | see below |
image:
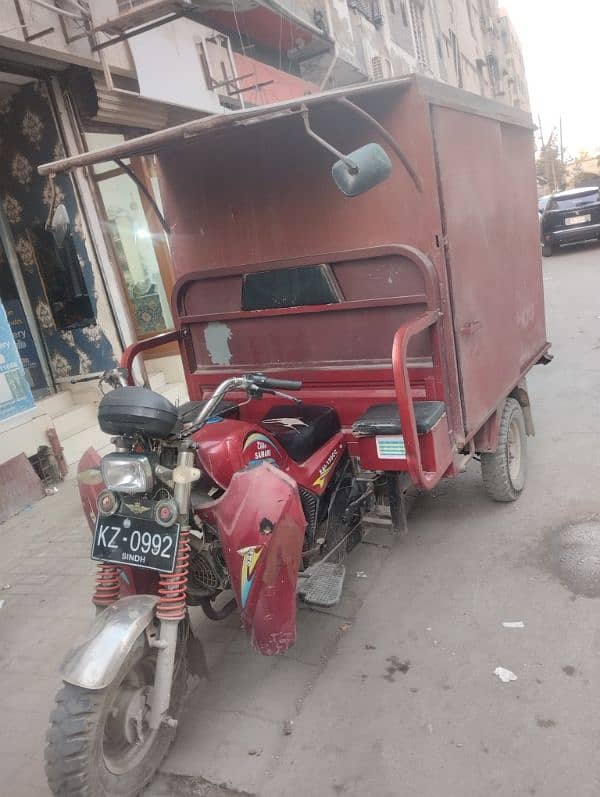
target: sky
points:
(560, 46)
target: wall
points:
(283, 87)
(38, 19)
(29, 137)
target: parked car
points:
(542, 202)
(570, 217)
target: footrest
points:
(322, 584)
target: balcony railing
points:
(370, 9)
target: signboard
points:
(15, 393)
(25, 343)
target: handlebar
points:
(274, 384)
(247, 382)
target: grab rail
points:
(131, 352)
(420, 478)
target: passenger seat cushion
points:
(301, 429)
(385, 418)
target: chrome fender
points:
(97, 658)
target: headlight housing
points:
(127, 473)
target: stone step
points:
(157, 380)
(55, 405)
(175, 392)
(80, 417)
(75, 445)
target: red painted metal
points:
(459, 252)
(281, 85)
(172, 587)
(420, 477)
(262, 542)
(131, 352)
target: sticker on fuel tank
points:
(259, 448)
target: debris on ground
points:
(361, 574)
(514, 624)
(369, 646)
(288, 727)
(255, 752)
(5, 586)
(2, 604)
(345, 626)
(505, 675)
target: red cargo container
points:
(436, 272)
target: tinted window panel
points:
(288, 287)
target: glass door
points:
(138, 241)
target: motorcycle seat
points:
(301, 429)
(385, 418)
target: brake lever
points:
(287, 396)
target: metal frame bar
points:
(163, 222)
(388, 137)
(139, 29)
(29, 37)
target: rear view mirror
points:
(361, 170)
(60, 225)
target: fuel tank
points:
(226, 446)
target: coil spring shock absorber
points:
(173, 586)
(108, 585)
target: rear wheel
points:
(99, 743)
(547, 250)
(504, 472)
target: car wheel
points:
(547, 250)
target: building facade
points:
(77, 75)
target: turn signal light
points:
(107, 503)
(165, 512)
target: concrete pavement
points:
(393, 692)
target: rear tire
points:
(504, 472)
(547, 250)
(92, 749)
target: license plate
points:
(135, 542)
(578, 220)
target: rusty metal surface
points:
(388, 90)
(488, 190)
(264, 195)
(19, 486)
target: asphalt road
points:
(393, 692)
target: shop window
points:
(65, 288)
(138, 242)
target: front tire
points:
(505, 471)
(99, 743)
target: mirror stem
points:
(352, 167)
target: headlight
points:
(127, 473)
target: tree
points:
(549, 165)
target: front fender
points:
(261, 525)
(95, 661)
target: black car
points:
(570, 217)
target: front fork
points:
(171, 609)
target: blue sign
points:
(15, 393)
(25, 343)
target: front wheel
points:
(504, 472)
(99, 743)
